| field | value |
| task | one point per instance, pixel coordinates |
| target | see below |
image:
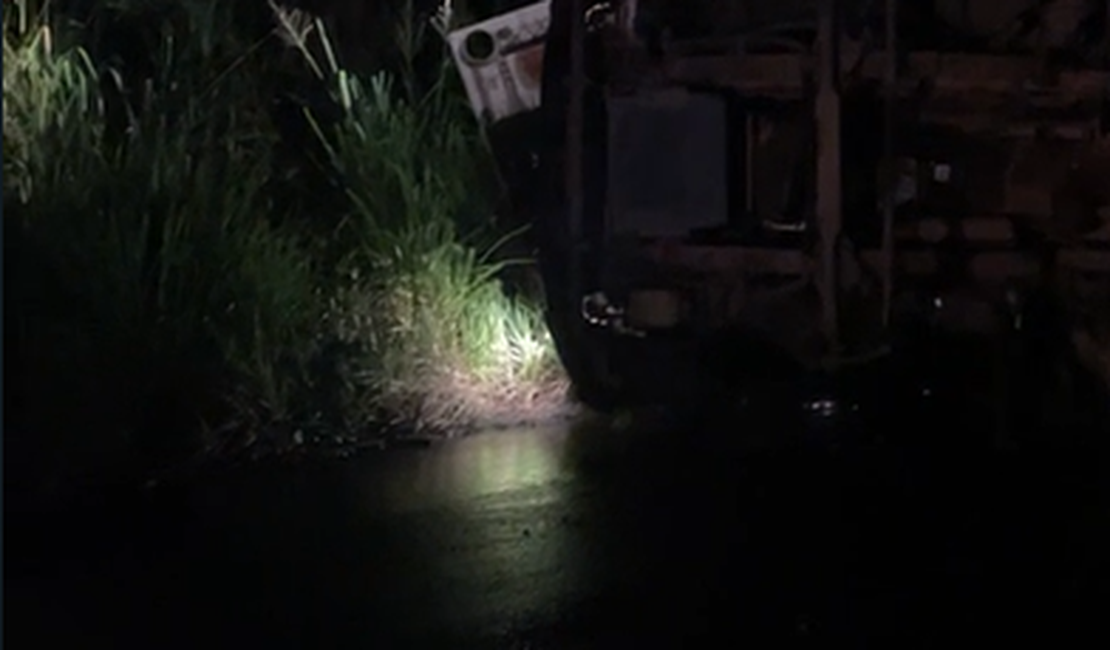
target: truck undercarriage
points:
(804, 185)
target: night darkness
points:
(299, 353)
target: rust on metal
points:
(981, 76)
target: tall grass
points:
(152, 292)
(165, 300)
(442, 342)
(48, 95)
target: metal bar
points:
(829, 204)
(1041, 46)
(1106, 34)
(749, 164)
(575, 148)
(890, 99)
(950, 75)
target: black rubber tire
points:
(579, 352)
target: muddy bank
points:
(63, 488)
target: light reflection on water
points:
(465, 470)
(485, 520)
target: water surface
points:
(567, 538)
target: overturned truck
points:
(807, 181)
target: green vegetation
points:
(186, 275)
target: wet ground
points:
(582, 538)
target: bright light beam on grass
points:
(444, 346)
